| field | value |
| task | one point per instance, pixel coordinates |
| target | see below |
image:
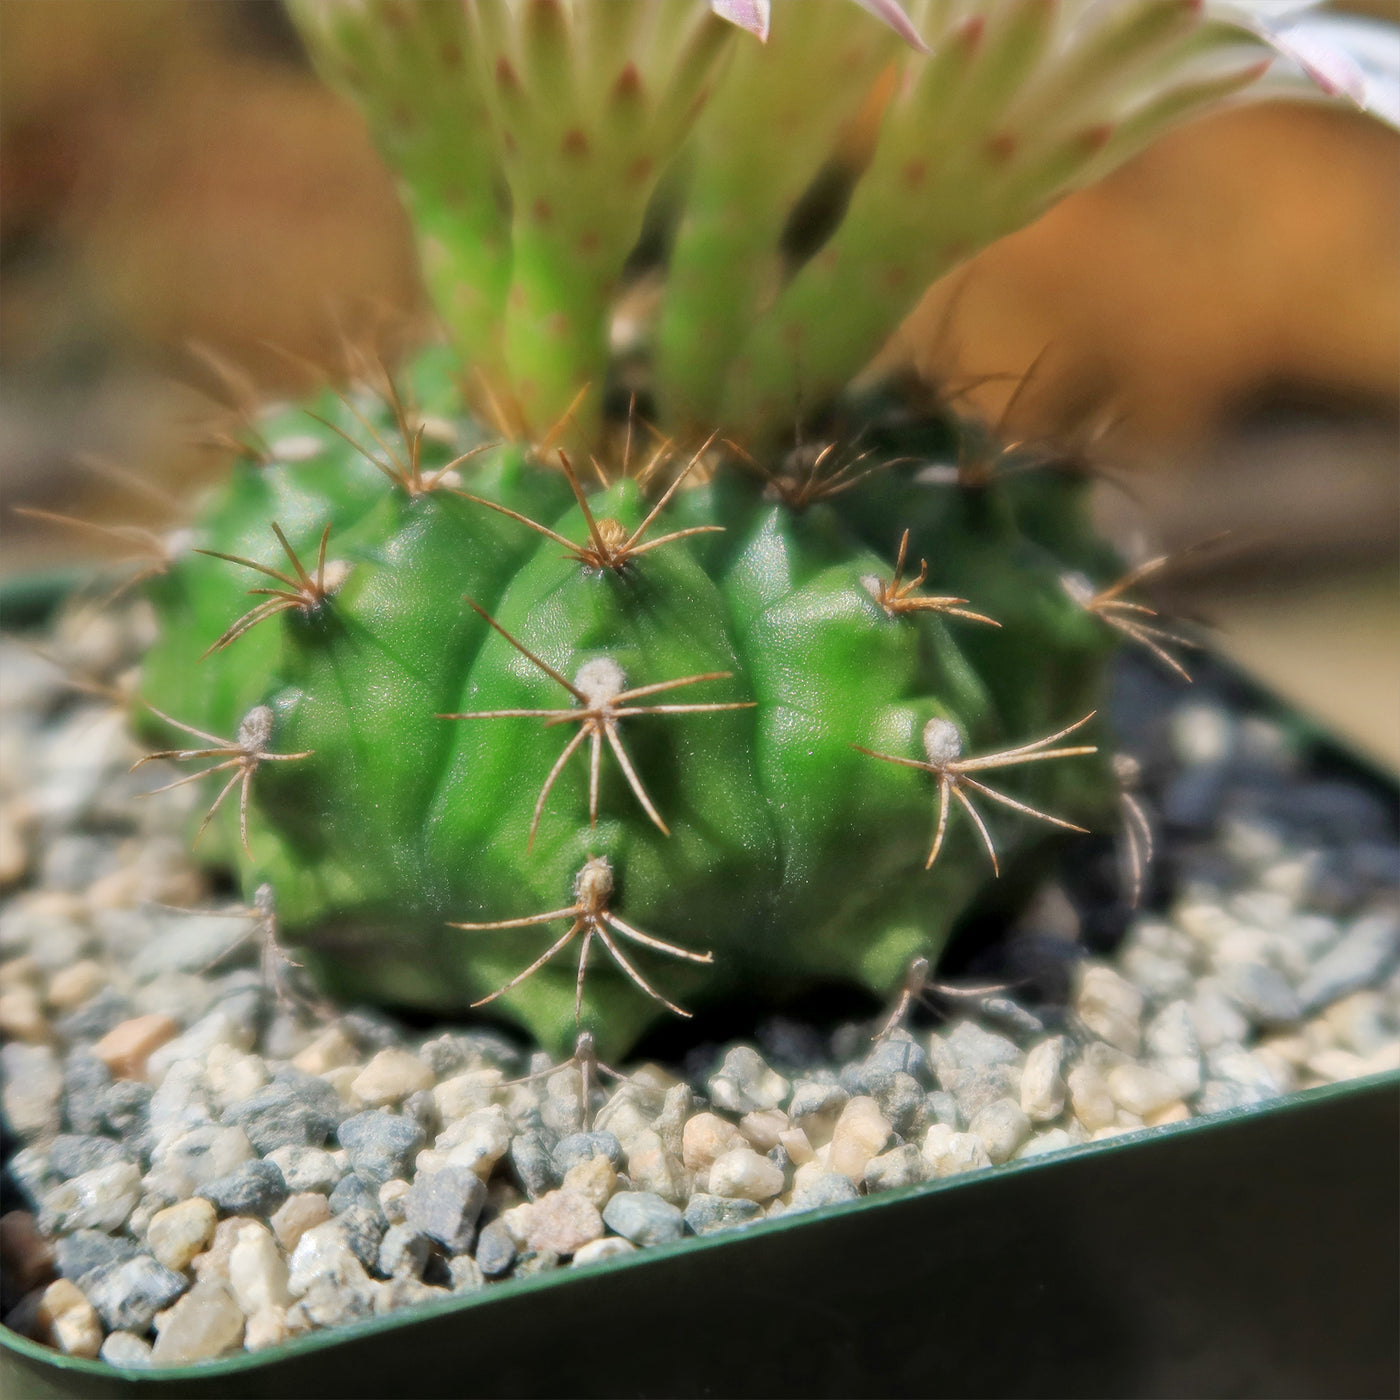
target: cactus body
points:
(788, 853)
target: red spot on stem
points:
(542, 211)
(575, 143)
(1001, 146)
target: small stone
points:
(128, 1295)
(464, 1274)
(213, 1263)
(598, 1250)
(233, 1077)
(1262, 993)
(298, 1214)
(101, 1199)
(1042, 1085)
(205, 1322)
(1360, 1022)
(126, 1351)
(1174, 1048)
(331, 1049)
(127, 1046)
(1140, 1089)
(22, 1016)
(72, 1154)
(706, 1137)
(745, 1083)
(288, 1114)
(764, 1128)
(1176, 1112)
(1110, 1007)
(1089, 1098)
(824, 1189)
(403, 1252)
(382, 1145)
(179, 1232)
(78, 1254)
(948, 1153)
(972, 1047)
(217, 1029)
(942, 1107)
(651, 1166)
(742, 1172)
(1248, 1071)
(495, 1249)
(390, 1197)
(255, 1188)
(797, 1145)
(861, 1133)
(445, 1205)
(265, 1328)
(1053, 1140)
(530, 1159)
(1003, 1127)
(900, 1166)
(69, 1320)
(466, 1093)
(580, 1147)
(1365, 954)
(644, 1218)
(307, 1168)
(390, 1077)
(561, 1222)
(257, 1272)
(707, 1214)
(594, 1179)
(202, 1155)
(33, 1089)
(815, 1099)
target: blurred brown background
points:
(171, 173)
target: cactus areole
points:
(600, 705)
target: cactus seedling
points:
(571, 168)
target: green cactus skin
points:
(790, 855)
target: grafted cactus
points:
(594, 705)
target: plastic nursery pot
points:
(1250, 1254)
(1254, 1253)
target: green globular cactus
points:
(607, 741)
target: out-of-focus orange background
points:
(171, 173)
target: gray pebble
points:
(445, 1206)
(975, 1088)
(128, 1295)
(124, 1107)
(403, 1251)
(903, 1101)
(643, 1217)
(72, 1154)
(898, 1053)
(78, 1254)
(96, 1016)
(534, 1169)
(811, 1096)
(1262, 993)
(706, 1214)
(495, 1250)
(745, 1083)
(353, 1192)
(1012, 1015)
(363, 1229)
(1366, 952)
(942, 1107)
(382, 1145)
(535, 1261)
(84, 1079)
(583, 1147)
(829, 1189)
(30, 1170)
(278, 1116)
(255, 1188)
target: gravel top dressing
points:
(203, 1158)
